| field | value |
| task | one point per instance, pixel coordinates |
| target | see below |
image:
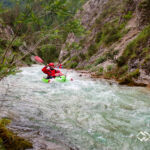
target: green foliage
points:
(28, 61)
(1, 51)
(134, 73)
(75, 58)
(88, 67)
(49, 53)
(134, 47)
(111, 33)
(82, 56)
(109, 68)
(128, 78)
(110, 9)
(94, 69)
(128, 16)
(3, 43)
(144, 4)
(110, 55)
(9, 140)
(82, 42)
(17, 43)
(75, 27)
(73, 62)
(92, 49)
(98, 37)
(74, 46)
(105, 56)
(6, 69)
(101, 59)
(73, 65)
(124, 69)
(121, 61)
(41, 24)
(101, 69)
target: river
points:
(83, 114)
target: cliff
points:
(117, 42)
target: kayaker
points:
(50, 71)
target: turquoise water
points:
(84, 114)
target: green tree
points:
(39, 24)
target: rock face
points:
(114, 30)
(90, 12)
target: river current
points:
(83, 114)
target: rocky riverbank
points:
(117, 42)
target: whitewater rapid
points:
(84, 114)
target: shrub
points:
(128, 16)
(73, 65)
(93, 69)
(75, 46)
(111, 32)
(28, 60)
(115, 52)
(82, 56)
(110, 55)
(109, 68)
(17, 43)
(112, 37)
(92, 49)
(88, 67)
(98, 37)
(124, 69)
(128, 78)
(1, 51)
(121, 61)
(125, 80)
(144, 4)
(75, 58)
(67, 63)
(134, 73)
(11, 141)
(49, 53)
(134, 47)
(101, 69)
(101, 59)
(3, 43)
(81, 43)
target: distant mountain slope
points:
(117, 44)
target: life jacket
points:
(50, 72)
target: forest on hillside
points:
(35, 27)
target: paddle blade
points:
(38, 59)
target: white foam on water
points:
(90, 114)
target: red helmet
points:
(51, 64)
